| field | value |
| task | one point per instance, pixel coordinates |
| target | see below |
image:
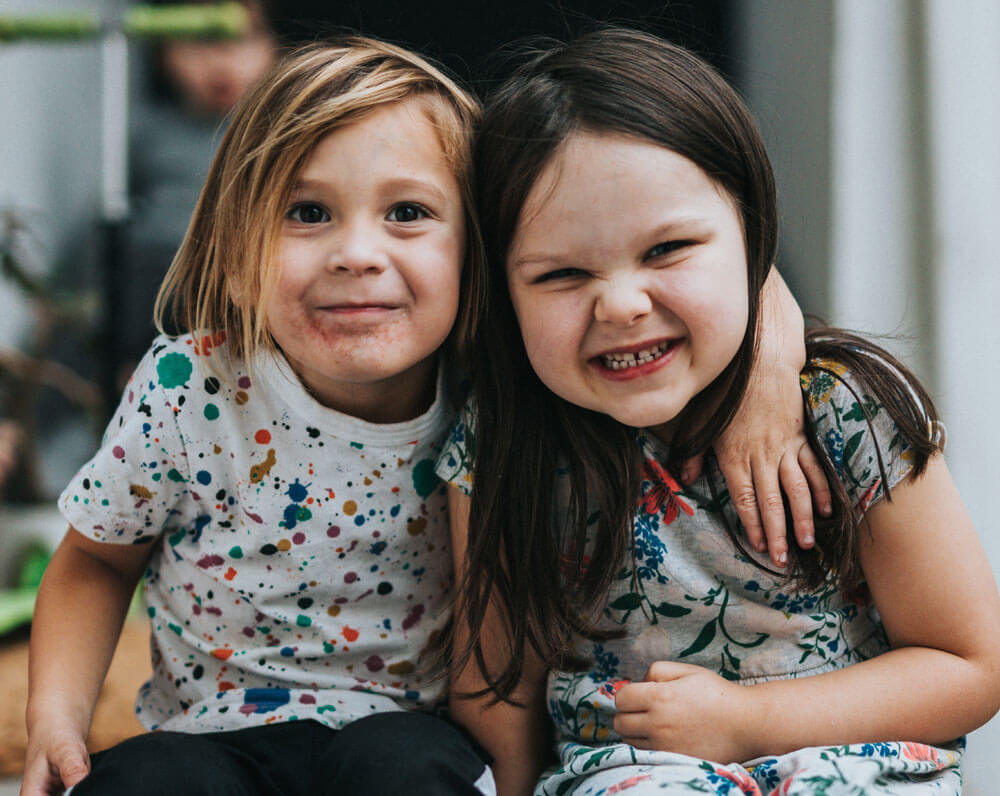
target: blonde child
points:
(629, 218)
(271, 479)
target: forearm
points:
(79, 612)
(782, 330)
(912, 694)
(516, 737)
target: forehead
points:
(597, 182)
(404, 129)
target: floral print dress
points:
(693, 597)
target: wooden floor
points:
(114, 718)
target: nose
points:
(357, 251)
(623, 300)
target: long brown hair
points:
(524, 554)
(226, 269)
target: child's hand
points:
(766, 460)
(55, 760)
(689, 710)
(763, 453)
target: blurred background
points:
(882, 119)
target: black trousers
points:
(381, 755)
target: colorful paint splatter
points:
(695, 599)
(301, 557)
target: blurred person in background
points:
(176, 126)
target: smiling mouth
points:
(370, 307)
(633, 359)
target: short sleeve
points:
(454, 465)
(856, 432)
(132, 487)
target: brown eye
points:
(308, 213)
(407, 213)
(667, 247)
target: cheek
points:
(551, 338)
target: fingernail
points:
(685, 474)
(826, 509)
(782, 559)
(807, 541)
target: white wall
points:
(884, 120)
(50, 175)
(49, 147)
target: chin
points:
(642, 419)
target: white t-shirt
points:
(301, 556)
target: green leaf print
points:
(566, 786)
(627, 602)
(704, 639)
(596, 758)
(666, 609)
(852, 445)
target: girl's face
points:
(628, 274)
(371, 254)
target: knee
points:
(153, 763)
(402, 752)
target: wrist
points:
(758, 717)
(49, 713)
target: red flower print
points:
(784, 787)
(662, 494)
(611, 689)
(924, 753)
(625, 784)
(741, 780)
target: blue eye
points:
(407, 213)
(308, 213)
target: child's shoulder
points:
(856, 427)
(173, 361)
(455, 463)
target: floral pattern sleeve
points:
(856, 432)
(454, 465)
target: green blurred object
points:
(18, 604)
(219, 21)
(34, 559)
(182, 21)
(49, 26)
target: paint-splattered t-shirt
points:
(300, 556)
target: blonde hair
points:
(226, 269)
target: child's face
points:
(371, 255)
(628, 275)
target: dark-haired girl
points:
(629, 214)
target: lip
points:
(354, 308)
(638, 371)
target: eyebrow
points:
(397, 185)
(692, 224)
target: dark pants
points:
(381, 755)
